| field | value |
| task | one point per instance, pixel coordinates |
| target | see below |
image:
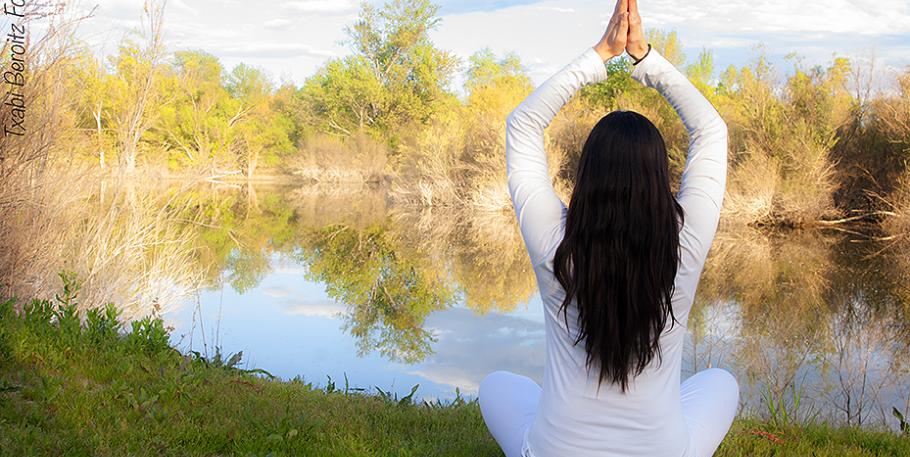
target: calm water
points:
(323, 282)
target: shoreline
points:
(873, 221)
(84, 385)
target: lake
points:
(331, 283)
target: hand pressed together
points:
(624, 33)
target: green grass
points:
(72, 385)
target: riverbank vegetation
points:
(809, 145)
(81, 384)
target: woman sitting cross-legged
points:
(617, 271)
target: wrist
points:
(639, 53)
(604, 52)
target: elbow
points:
(715, 131)
(723, 135)
(719, 128)
(519, 119)
(514, 119)
(724, 139)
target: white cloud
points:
(327, 308)
(295, 37)
(182, 6)
(815, 29)
(271, 50)
(321, 6)
(555, 9)
(276, 292)
(278, 24)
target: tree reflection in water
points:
(808, 311)
(816, 315)
(388, 296)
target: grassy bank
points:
(82, 385)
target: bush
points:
(326, 158)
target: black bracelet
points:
(637, 61)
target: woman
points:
(617, 272)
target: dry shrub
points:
(781, 169)
(23, 158)
(808, 184)
(489, 188)
(430, 174)
(793, 186)
(326, 158)
(55, 216)
(565, 140)
(892, 117)
(751, 189)
(125, 245)
(898, 222)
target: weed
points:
(902, 422)
(149, 335)
(785, 412)
(102, 325)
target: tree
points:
(138, 71)
(395, 77)
(495, 87)
(198, 120)
(262, 132)
(343, 97)
(92, 84)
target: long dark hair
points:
(618, 258)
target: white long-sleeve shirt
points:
(574, 418)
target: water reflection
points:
(318, 281)
(389, 295)
(819, 315)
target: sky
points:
(291, 39)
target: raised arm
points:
(704, 178)
(538, 208)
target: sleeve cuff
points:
(653, 62)
(594, 68)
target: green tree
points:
(134, 86)
(93, 103)
(198, 122)
(495, 87)
(343, 97)
(262, 132)
(396, 76)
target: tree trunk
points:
(97, 116)
(251, 163)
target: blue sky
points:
(456, 7)
(293, 38)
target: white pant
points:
(710, 400)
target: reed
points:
(325, 158)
